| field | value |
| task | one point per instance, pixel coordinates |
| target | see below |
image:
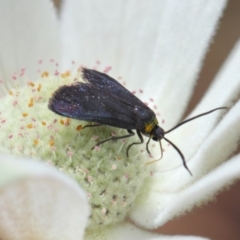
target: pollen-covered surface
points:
(28, 128)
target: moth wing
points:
(110, 86)
(85, 102)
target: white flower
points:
(161, 44)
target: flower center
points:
(28, 128)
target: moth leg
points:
(140, 137)
(92, 125)
(131, 133)
(147, 146)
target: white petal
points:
(215, 149)
(218, 147)
(224, 90)
(192, 135)
(37, 202)
(169, 186)
(184, 35)
(91, 31)
(29, 32)
(159, 43)
(129, 231)
(157, 210)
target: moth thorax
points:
(150, 126)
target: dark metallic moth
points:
(102, 100)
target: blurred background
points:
(219, 219)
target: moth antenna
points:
(190, 119)
(180, 153)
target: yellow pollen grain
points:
(62, 121)
(10, 92)
(31, 84)
(30, 104)
(44, 74)
(65, 74)
(79, 128)
(51, 143)
(29, 126)
(24, 114)
(39, 87)
(44, 123)
(36, 142)
(67, 122)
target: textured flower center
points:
(28, 128)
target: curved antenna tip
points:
(181, 155)
(186, 167)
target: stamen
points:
(44, 74)
(51, 143)
(30, 125)
(30, 104)
(39, 87)
(31, 84)
(79, 127)
(65, 74)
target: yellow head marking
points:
(149, 126)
